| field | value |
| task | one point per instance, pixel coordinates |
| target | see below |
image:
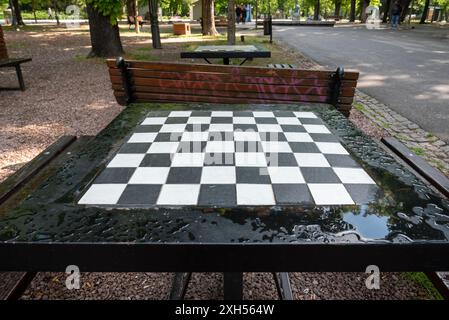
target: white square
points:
(331, 148)
(220, 146)
(269, 128)
(255, 194)
(180, 114)
(250, 159)
(330, 194)
(263, 114)
(179, 194)
(195, 136)
(353, 175)
(218, 175)
(126, 160)
(311, 160)
(298, 137)
(246, 136)
(285, 175)
(108, 193)
(288, 120)
(316, 128)
(244, 120)
(173, 127)
(149, 175)
(199, 120)
(154, 120)
(185, 159)
(222, 114)
(309, 115)
(143, 137)
(163, 147)
(221, 127)
(276, 146)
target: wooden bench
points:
(132, 23)
(144, 81)
(6, 62)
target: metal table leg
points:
(283, 285)
(20, 77)
(179, 285)
(233, 285)
(226, 61)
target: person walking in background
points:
(396, 14)
(243, 14)
(50, 13)
(238, 12)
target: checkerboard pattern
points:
(231, 158)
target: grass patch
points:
(418, 151)
(421, 279)
(359, 107)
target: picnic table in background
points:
(227, 52)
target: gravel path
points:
(68, 94)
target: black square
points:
(217, 195)
(341, 161)
(221, 120)
(323, 137)
(135, 148)
(177, 120)
(257, 175)
(292, 128)
(219, 159)
(266, 120)
(154, 114)
(168, 137)
(148, 128)
(221, 136)
(282, 114)
(292, 194)
(363, 193)
(243, 114)
(272, 136)
(304, 147)
(281, 160)
(156, 160)
(319, 175)
(245, 127)
(310, 121)
(115, 175)
(196, 127)
(248, 146)
(140, 194)
(191, 146)
(201, 113)
(184, 175)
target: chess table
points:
(226, 188)
(226, 52)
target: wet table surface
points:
(226, 52)
(222, 174)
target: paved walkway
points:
(408, 70)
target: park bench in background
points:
(132, 23)
(144, 81)
(6, 62)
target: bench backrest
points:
(141, 81)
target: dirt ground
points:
(68, 94)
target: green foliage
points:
(108, 8)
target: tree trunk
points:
(405, 5)
(352, 11)
(387, 11)
(316, 12)
(208, 18)
(424, 14)
(337, 8)
(136, 14)
(55, 6)
(155, 34)
(231, 22)
(131, 8)
(104, 36)
(363, 15)
(17, 13)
